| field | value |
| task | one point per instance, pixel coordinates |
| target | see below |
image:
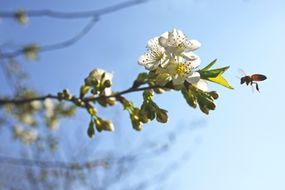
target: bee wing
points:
(253, 88)
(241, 72)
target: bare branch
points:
(94, 15)
(105, 162)
(59, 45)
(75, 15)
(52, 164)
(88, 99)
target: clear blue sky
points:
(241, 146)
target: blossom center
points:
(158, 55)
(182, 69)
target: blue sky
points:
(242, 143)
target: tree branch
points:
(94, 15)
(88, 99)
(75, 15)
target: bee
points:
(252, 79)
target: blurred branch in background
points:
(109, 170)
(44, 165)
(31, 50)
(34, 48)
(24, 120)
(75, 15)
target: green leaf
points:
(220, 80)
(210, 65)
(215, 75)
(212, 73)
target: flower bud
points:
(162, 79)
(141, 79)
(107, 83)
(159, 90)
(211, 105)
(90, 130)
(21, 17)
(214, 94)
(148, 95)
(137, 125)
(143, 116)
(161, 116)
(98, 123)
(66, 94)
(84, 90)
(204, 109)
(92, 111)
(107, 125)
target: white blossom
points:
(155, 56)
(171, 57)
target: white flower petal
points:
(97, 74)
(148, 61)
(193, 78)
(202, 85)
(193, 58)
(196, 63)
(153, 45)
(195, 44)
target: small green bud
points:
(31, 51)
(211, 105)
(66, 95)
(92, 111)
(21, 17)
(84, 90)
(111, 101)
(204, 109)
(161, 116)
(214, 94)
(126, 103)
(148, 95)
(159, 90)
(143, 116)
(162, 79)
(98, 123)
(107, 83)
(141, 79)
(94, 91)
(103, 102)
(137, 125)
(90, 130)
(107, 125)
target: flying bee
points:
(252, 79)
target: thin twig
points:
(94, 15)
(74, 15)
(54, 164)
(58, 45)
(8, 76)
(50, 96)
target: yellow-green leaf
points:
(220, 80)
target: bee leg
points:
(256, 86)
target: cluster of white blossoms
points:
(171, 54)
(100, 76)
